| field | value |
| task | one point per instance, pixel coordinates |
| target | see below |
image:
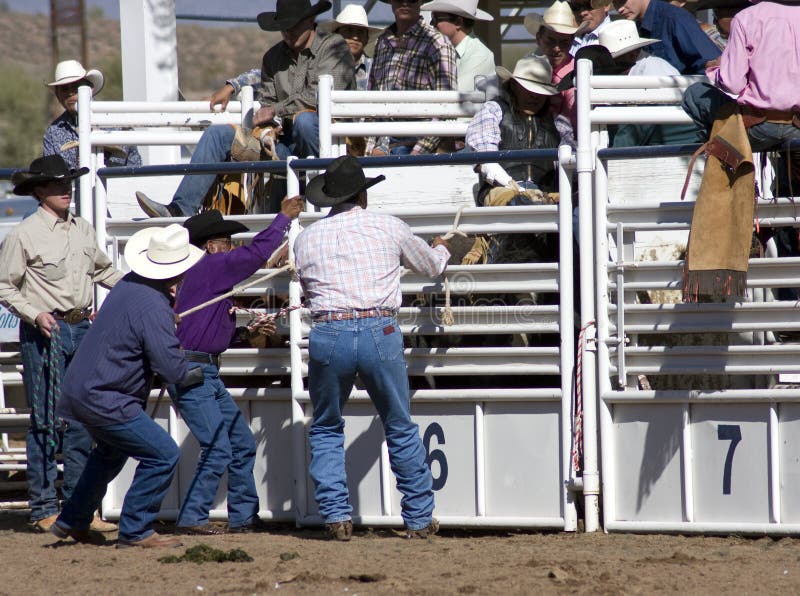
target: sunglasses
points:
(585, 7)
(405, 1)
(443, 19)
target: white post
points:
(299, 494)
(324, 89)
(585, 166)
(85, 152)
(150, 61)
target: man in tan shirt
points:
(48, 265)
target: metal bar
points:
(686, 462)
(85, 152)
(656, 82)
(148, 107)
(679, 396)
(774, 464)
(480, 462)
(702, 527)
(640, 115)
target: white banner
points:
(9, 326)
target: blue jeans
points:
(703, 101)
(75, 442)
(373, 349)
(143, 440)
(300, 137)
(226, 443)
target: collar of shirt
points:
(560, 71)
(463, 46)
(651, 15)
(51, 220)
(343, 208)
(415, 30)
(67, 121)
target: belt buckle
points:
(73, 316)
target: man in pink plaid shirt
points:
(349, 264)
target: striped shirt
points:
(352, 259)
(421, 59)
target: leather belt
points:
(201, 357)
(349, 315)
(73, 315)
(752, 116)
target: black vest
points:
(519, 131)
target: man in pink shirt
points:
(758, 68)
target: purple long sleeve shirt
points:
(211, 329)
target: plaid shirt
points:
(421, 59)
(352, 259)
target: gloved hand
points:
(495, 174)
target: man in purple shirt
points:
(208, 409)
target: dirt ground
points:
(290, 561)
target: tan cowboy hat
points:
(462, 8)
(352, 15)
(621, 37)
(161, 253)
(534, 73)
(70, 71)
(558, 17)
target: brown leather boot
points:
(154, 540)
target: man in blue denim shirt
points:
(683, 42)
(349, 265)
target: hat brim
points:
(534, 22)
(635, 46)
(438, 6)
(25, 182)
(136, 257)
(316, 195)
(533, 86)
(94, 76)
(268, 21)
(220, 229)
(372, 35)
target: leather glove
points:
(495, 174)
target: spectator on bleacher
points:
(682, 42)
(622, 41)
(762, 56)
(410, 55)
(286, 86)
(594, 13)
(352, 24)
(49, 264)
(349, 264)
(554, 32)
(107, 386)
(61, 137)
(723, 11)
(208, 409)
(455, 19)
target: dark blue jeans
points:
(71, 439)
(300, 137)
(373, 349)
(145, 441)
(226, 443)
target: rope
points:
(577, 432)
(53, 360)
(454, 231)
(257, 319)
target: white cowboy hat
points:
(621, 37)
(161, 253)
(462, 8)
(558, 17)
(353, 15)
(533, 73)
(70, 71)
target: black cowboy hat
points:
(41, 171)
(602, 64)
(712, 4)
(210, 224)
(344, 178)
(290, 12)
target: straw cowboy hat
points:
(602, 64)
(462, 8)
(621, 37)
(41, 171)
(558, 17)
(210, 224)
(353, 15)
(343, 178)
(70, 71)
(290, 12)
(161, 253)
(534, 73)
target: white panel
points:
(730, 463)
(647, 448)
(523, 471)
(271, 423)
(789, 444)
(448, 429)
